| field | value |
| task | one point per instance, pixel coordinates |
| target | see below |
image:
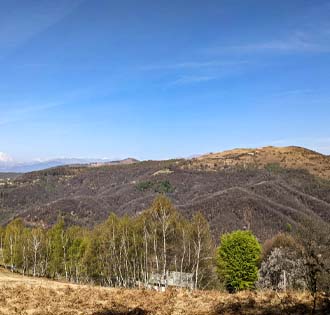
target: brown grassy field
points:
(31, 296)
(286, 157)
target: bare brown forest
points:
(276, 186)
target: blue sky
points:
(161, 79)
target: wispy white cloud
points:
(194, 65)
(191, 72)
(5, 158)
(294, 42)
(190, 79)
(285, 46)
(295, 92)
(19, 25)
(12, 112)
(19, 112)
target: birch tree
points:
(36, 242)
(163, 215)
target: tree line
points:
(122, 251)
(129, 251)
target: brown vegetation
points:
(286, 157)
(276, 196)
(24, 295)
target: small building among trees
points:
(172, 279)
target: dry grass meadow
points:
(31, 296)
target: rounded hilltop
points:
(292, 157)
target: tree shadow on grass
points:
(135, 311)
(287, 306)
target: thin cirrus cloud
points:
(18, 27)
(190, 79)
(191, 72)
(193, 65)
(22, 113)
(296, 42)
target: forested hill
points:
(269, 189)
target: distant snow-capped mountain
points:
(8, 164)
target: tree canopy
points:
(122, 251)
(237, 260)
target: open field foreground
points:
(30, 296)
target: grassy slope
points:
(287, 157)
(26, 295)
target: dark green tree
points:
(237, 260)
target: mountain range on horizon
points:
(278, 187)
(9, 165)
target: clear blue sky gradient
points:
(161, 79)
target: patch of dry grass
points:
(31, 296)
